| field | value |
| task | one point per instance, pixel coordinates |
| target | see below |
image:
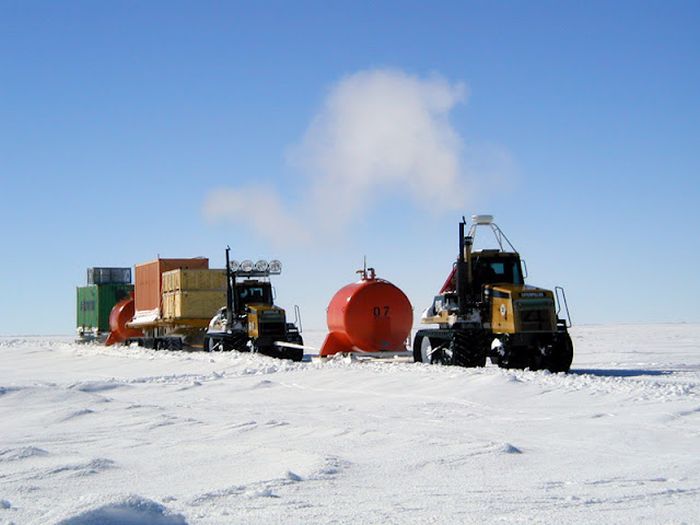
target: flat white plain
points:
(124, 435)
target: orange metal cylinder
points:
(121, 313)
(371, 315)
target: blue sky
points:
(575, 125)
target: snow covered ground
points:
(93, 435)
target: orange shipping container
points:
(148, 282)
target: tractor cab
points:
(495, 267)
(250, 292)
(481, 270)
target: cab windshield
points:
(256, 294)
(497, 270)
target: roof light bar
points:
(259, 268)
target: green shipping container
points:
(96, 301)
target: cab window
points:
(254, 294)
(497, 271)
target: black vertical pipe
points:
(461, 273)
(229, 291)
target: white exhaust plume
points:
(384, 131)
(379, 134)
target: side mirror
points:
(524, 263)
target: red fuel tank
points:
(121, 314)
(371, 315)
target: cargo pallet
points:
(170, 334)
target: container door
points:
(87, 307)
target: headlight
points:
(275, 266)
(247, 265)
(261, 266)
(234, 265)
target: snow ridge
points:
(131, 510)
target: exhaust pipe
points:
(464, 277)
(462, 273)
(229, 292)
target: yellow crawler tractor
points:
(250, 321)
(485, 309)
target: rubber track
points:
(468, 348)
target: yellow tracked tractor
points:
(251, 321)
(485, 309)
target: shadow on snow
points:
(620, 372)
